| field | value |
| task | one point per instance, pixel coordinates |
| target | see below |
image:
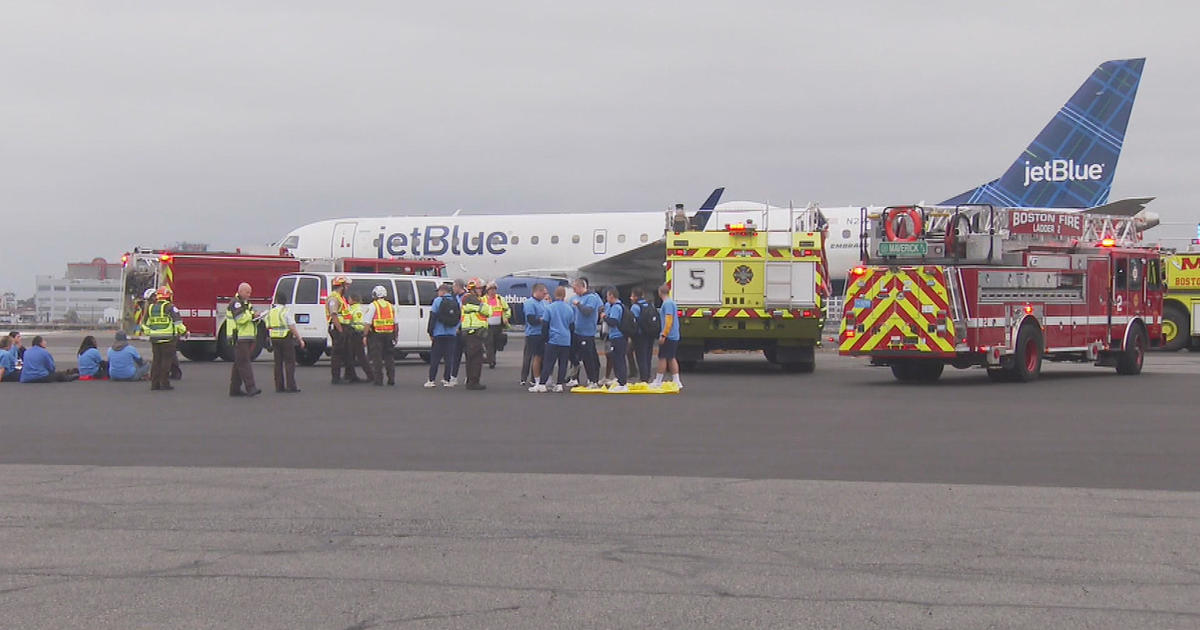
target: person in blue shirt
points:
(445, 340)
(620, 344)
(8, 362)
(559, 316)
(534, 310)
(643, 341)
(587, 306)
(668, 339)
(124, 361)
(39, 365)
(92, 366)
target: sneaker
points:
(572, 383)
(449, 383)
(453, 381)
(524, 384)
(618, 389)
(592, 385)
(476, 386)
(538, 389)
(429, 384)
(558, 389)
(656, 384)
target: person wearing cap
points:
(164, 326)
(241, 328)
(444, 339)
(380, 319)
(497, 323)
(125, 363)
(281, 329)
(337, 311)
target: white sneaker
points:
(429, 384)
(558, 389)
(618, 389)
(449, 383)
(656, 384)
(572, 383)
(538, 389)
(593, 385)
(453, 381)
(678, 383)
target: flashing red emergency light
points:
(808, 313)
(1028, 309)
(165, 258)
(858, 270)
(1108, 242)
(124, 259)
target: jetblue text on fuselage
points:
(440, 240)
(1063, 171)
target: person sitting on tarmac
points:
(124, 361)
(9, 373)
(39, 366)
(17, 350)
(92, 367)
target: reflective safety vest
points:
(475, 316)
(356, 317)
(241, 325)
(385, 317)
(160, 322)
(343, 309)
(277, 323)
(499, 310)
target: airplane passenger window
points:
(533, 240)
(645, 238)
(515, 240)
(599, 238)
(845, 233)
(554, 240)
(620, 238)
(575, 238)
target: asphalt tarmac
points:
(752, 499)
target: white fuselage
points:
(494, 245)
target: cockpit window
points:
(291, 242)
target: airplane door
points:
(343, 240)
(599, 241)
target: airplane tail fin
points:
(1071, 163)
(700, 219)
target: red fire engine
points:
(205, 282)
(1003, 289)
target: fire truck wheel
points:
(224, 349)
(1175, 328)
(1130, 359)
(1027, 361)
(198, 351)
(999, 375)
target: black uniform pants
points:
(242, 372)
(162, 356)
(357, 356)
(585, 350)
(445, 349)
(338, 353)
(552, 355)
(382, 347)
(473, 341)
(284, 351)
(619, 360)
(643, 350)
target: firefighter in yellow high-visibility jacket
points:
(473, 329)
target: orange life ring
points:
(895, 217)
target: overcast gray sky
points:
(132, 123)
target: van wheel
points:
(310, 354)
(1027, 362)
(1130, 360)
(424, 356)
(400, 355)
(1176, 328)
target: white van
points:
(305, 294)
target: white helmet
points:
(379, 291)
(149, 293)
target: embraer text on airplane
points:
(1063, 171)
(439, 240)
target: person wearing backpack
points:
(443, 331)
(620, 326)
(648, 327)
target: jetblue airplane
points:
(1070, 164)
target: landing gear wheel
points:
(1175, 327)
(1027, 362)
(1130, 360)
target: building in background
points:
(90, 293)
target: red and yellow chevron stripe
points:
(903, 310)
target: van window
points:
(284, 290)
(405, 296)
(307, 289)
(427, 291)
(361, 288)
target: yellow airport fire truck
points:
(753, 280)
(1181, 305)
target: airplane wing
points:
(643, 265)
(1122, 207)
